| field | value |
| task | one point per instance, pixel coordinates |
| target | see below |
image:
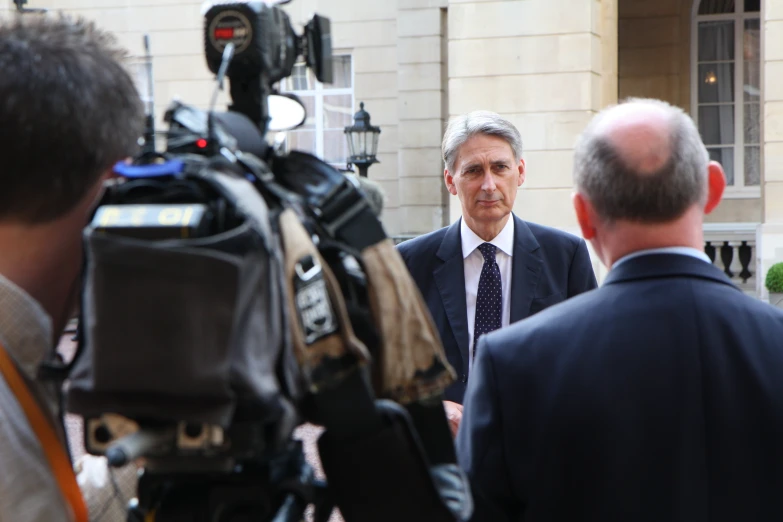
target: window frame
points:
(318, 94)
(738, 190)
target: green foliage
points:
(774, 281)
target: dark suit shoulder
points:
(669, 372)
(549, 237)
(623, 312)
(726, 301)
(426, 244)
(554, 321)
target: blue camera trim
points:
(152, 170)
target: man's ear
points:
(95, 194)
(450, 182)
(585, 215)
(521, 168)
(716, 184)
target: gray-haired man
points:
(486, 270)
(656, 397)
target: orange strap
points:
(52, 447)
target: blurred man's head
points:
(484, 168)
(643, 179)
(69, 111)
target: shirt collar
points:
(685, 251)
(503, 241)
(25, 328)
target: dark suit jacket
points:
(658, 397)
(549, 266)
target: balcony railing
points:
(732, 248)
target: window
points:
(329, 111)
(726, 90)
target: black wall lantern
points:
(362, 141)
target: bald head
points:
(643, 161)
(641, 135)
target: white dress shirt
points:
(473, 261)
(685, 251)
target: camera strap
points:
(47, 437)
(347, 216)
(323, 339)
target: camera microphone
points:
(149, 133)
(228, 54)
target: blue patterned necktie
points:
(489, 303)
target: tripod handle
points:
(138, 444)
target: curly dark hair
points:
(69, 111)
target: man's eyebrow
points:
(478, 164)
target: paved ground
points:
(309, 434)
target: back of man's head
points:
(69, 111)
(641, 161)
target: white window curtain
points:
(716, 92)
(726, 87)
(751, 50)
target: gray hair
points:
(618, 192)
(461, 128)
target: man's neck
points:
(486, 230)
(42, 260)
(626, 238)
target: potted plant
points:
(774, 284)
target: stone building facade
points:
(548, 65)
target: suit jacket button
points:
(463, 378)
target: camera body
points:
(232, 292)
(265, 50)
(265, 41)
(203, 196)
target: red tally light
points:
(224, 33)
(201, 143)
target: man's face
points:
(485, 178)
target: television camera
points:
(233, 291)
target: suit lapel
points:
(525, 271)
(450, 280)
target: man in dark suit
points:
(487, 270)
(660, 395)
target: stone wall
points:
(772, 53)
(421, 80)
(366, 30)
(549, 66)
(654, 50)
(770, 233)
(538, 63)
